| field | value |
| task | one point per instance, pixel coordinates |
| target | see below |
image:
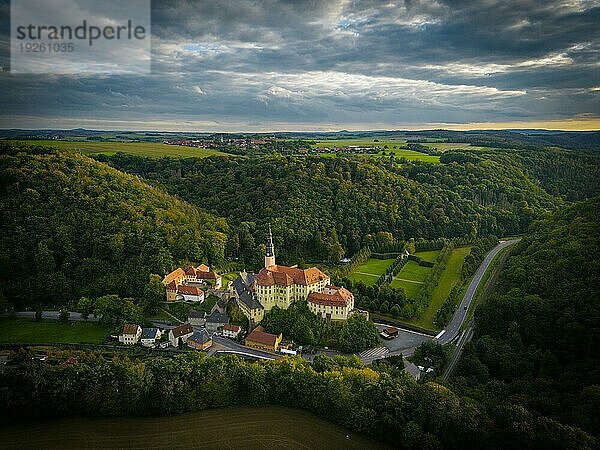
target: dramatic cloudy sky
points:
(329, 65)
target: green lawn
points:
(450, 276)
(152, 149)
(428, 255)
(370, 271)
(227, 277)
(161, 314)
(27, 331)
(397, 146)
(410, 278)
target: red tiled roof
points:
(185, 328)
(229, 327)
(191, 271)
(130, 328)
(177, 273)
(207, 275)
(260, 336)
(189, 290)
(341, 298)
(202, 268)
(172, 286)
(285, 276)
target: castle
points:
(280, 286)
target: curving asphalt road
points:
(453, 328)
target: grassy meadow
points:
(370, 271)
(445, 146)
(27, 331)
(397, 146)
(151, 149)
(450, 276)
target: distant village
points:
(255, 144)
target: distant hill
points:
(520, 139)
(72, 226)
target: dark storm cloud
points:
(365, 63)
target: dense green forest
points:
(377, 401)
(537, 338)
(299, 324)
(73, 227)
(320, 208)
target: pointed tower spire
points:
(270, 250)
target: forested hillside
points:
(321, 207)
(72, 226)
(537, 340)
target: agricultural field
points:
(233, 427)
(27, 331)
(445, 146)
(397, 146)
(151, 149)
(370, 271)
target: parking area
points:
(406, 339)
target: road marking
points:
(374, 353)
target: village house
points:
(411, 369)
(216, 321)
(180, 334)
(185, 285)
(199, 340)
(261, 340)
(189, 294)
(196, 318)
(231, 331)
(277, 285)
(150, 336)
(131, 334)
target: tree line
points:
(379, 401)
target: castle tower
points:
(270, 251)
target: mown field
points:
(27, 331)
(397, 146)
(269, 427)
(373, 268)
(151, 149)
(450, 276)
(370, 271)
(410, 278)
(445, 146)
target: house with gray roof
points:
(216, 321)
(200, 340)
(150, 336)
(196, 318)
